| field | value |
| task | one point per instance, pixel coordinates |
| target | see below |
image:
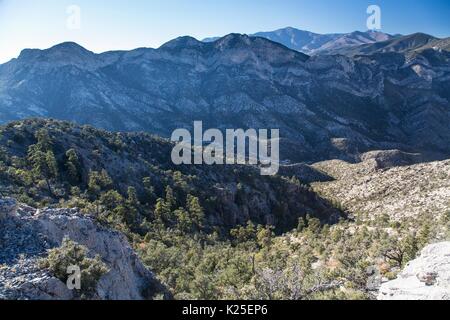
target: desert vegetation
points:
(195, 229)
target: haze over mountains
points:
(352, 43)
(405, 44)
(326, 106)
(313, 43)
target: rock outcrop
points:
(374, 188)
(425, 278)
(25, 236)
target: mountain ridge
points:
(404, 44)
(314, 43)
(326, 106)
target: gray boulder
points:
(425, 278)
(26, 234)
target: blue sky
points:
(127, 24)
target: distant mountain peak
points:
(236, 36)
(69, 46)
(312, 43)
(421, 35)
(182, 42)
(401, 44)
(63, 54)
(264, 46)
(233, 40)
(64, 50)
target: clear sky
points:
(127, 24)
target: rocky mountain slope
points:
(339, 258)
(26, 234)
(405, 44)
(231, 195)
(384, 185)
(312, 43)
(326, 107)
(425, 278)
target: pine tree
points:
(195, 210)
(43, 164)
(52, 165)
(301, 224)
(409, 248)
(314, 224)
(98, 182)
(162, 210)
(149, 189)
(265, 236)
(111, 200)
(244, 234)
(44, 142)
(73, 166)
(170, 198)
(132, 206)
(42, 158)
(184, 221)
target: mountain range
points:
(353, 43)
(314, 43)
(392, 94)
(365, 111)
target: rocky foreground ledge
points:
(425, 278)
(26, 235)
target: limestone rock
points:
(400, 192)
(425, 278)
(25, 236)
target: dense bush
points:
(72, 254)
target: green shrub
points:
(69, 254)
